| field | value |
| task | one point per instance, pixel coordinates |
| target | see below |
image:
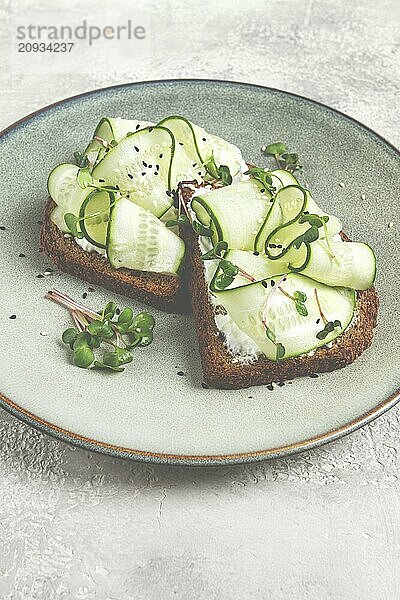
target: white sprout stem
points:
(264, 313)
(78, 324)
(69, 303)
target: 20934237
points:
(56, 47)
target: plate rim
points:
(187, 459)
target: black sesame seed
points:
(272, 282)
(136, 148)
(204, 385)
(199, 173)
(250, 397)
(306, 212)
(84, 295)
(194, 165)
(151, 129)
(256, 253)
(204, 140)
(130, 175)
(12, 317)
(155, 172)
(317, 321)
(143, 174)
(314, 375)
(160, 156)
(180, 373)
(181, 143)
(117, 311)
(150, 166)
(21, 255)
(157, 167)
(2, 228)
(102, 180)
(40, 276)
(168, 193)
(279, 246)
(144, 163)
(264, 284)
(270, 387)
(137, 126)
(262, 190)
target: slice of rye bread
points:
(220, 370)
(165, 292)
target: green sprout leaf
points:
(142, 321)
(280, 351)
(307, 237)
(301, 309)
(69, 336)
(215, 252)
(120, 356)
(72, 222)
(224, 175)
(84, 177)
(263, 177)
(275, 149)
(109, 311)
(300, 296)
(101, 365)
(83, 356)
(81, 160)
(315, 220)
(270, 335)
(201, 229)
(329, 327)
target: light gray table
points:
(324, 524)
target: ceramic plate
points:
(151, 412)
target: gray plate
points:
(149, 412)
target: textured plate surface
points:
(150, 412)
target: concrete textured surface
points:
(324, 524)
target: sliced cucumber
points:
(95, 215)
(64, 189)
(233, 212)
(282, 178)
(258, 266)
(107, 130)
(258, 306)
(137, 240)
(282, 226)
(349, 264)
(141, 166)
(200, 147)
(188, 163)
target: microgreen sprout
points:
(263, 176)
(284, 159)
(81, 160)
(220, 174)
(299, 298)
(329, 326)
(92, 330)
(280, 348)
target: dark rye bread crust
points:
(165, 292)
(219, 368)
